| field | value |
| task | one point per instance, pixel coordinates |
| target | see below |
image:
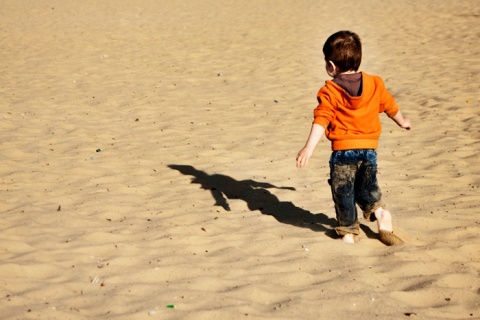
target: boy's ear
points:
(331, 68)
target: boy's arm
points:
(403, 122)
(316, 134)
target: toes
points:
(388, 238)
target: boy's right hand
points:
(402, 122)
(406, 124)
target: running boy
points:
(348, 114)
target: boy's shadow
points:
(257, 197)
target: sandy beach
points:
(148, 149)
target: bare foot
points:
(348, 238)
(385, 228)
(388, 238)
(384, 219)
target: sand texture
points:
(147, 161)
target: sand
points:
(148, 161)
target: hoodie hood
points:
(351, 83)
(344, 90)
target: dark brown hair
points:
(344, 49)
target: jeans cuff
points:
(342, 230)
(370, 214)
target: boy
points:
(348, 114)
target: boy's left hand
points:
(303, 156)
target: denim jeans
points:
(353, 179)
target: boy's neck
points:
(347, 72)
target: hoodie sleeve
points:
(324, 113)
(387, 101)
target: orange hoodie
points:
(354, 122)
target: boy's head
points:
(344, 50)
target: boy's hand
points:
(402, 122)
(303, 156)
(406, 124)
(316, 133)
